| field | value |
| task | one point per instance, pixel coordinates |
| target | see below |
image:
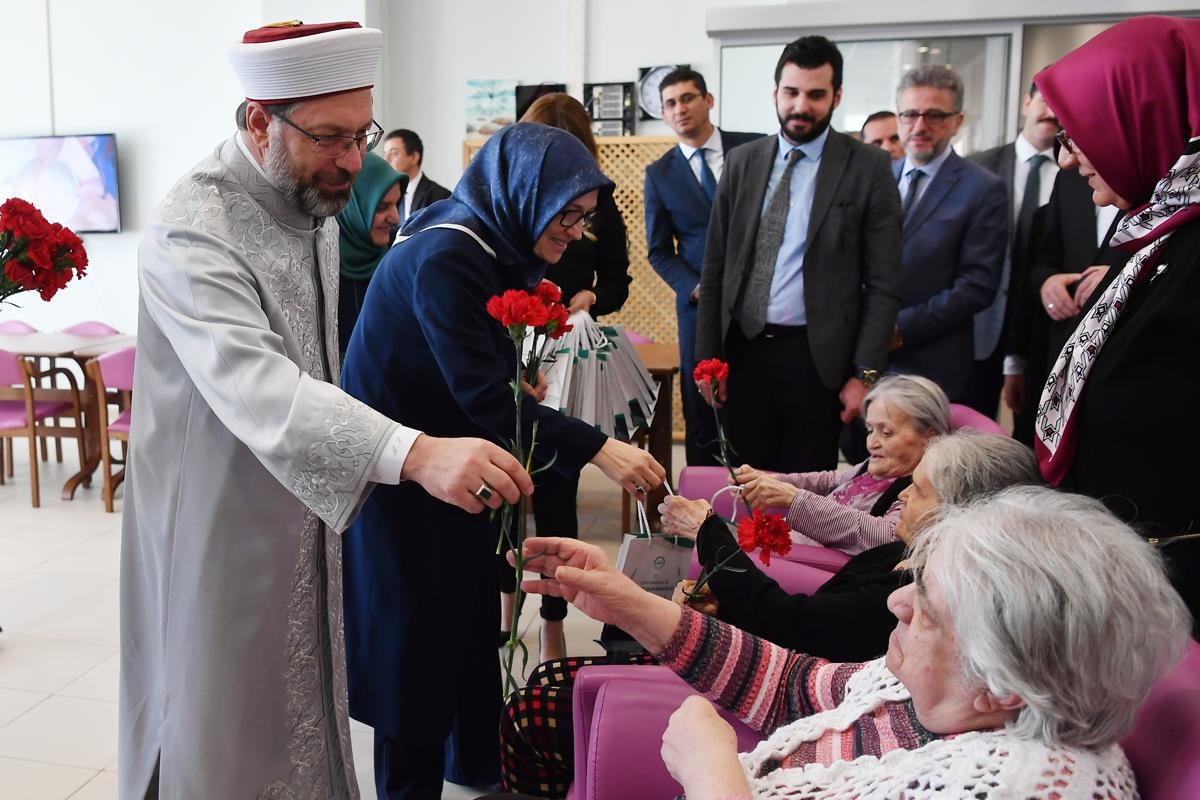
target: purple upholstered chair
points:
(108, 372)
(23, 414)
(1164, 746)
(795, 571)
(621, 712)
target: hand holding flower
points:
(766, 491)
(537, 391)
(702, 600)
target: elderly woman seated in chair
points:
(846, 619)
(1035, 627)
(855, 509)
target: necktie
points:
(1029, 203)
(910, 196)
(708, 181)
(753, 312)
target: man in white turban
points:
(248, 461)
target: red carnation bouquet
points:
(541, 316)
(36, 255)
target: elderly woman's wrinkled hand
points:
(683, 517)
(704, 601)
(700, 748)
(582, 575)
(765, 491)
(746, 473)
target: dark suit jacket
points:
(953, 252)
(677, 212)
(1065, 241)
(1002, 162)
(851, 260)
(428, 192)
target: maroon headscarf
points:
(1130, 101)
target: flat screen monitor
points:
(71, 179)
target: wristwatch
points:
(868, 376)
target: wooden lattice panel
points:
(650, 309)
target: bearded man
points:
(248, 460)
(801, 280)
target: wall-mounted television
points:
(71, 179)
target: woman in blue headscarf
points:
(367, 225)
(420, 641)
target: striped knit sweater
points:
(840, 731)
(767, 687)
(833, 509)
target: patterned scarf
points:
(1091, 90)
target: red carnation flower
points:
(36, 255)
(768, 533)
(515, 308)
(710, 376)
(549, 292)
(558, 324)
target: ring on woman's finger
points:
(485, 492)
(1050, 306)
(641, 488)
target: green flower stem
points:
(706, 575)
(723, 443)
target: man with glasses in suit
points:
(955, 234)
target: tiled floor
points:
(58, 652)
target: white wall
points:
(435, 46)
(154, 74)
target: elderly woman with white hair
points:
(1035, 627)
(537, 730)
(856, 508)
(956, 469)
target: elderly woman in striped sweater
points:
(967, 700)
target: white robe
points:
(243, 457)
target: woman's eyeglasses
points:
(338, 146)
(572, 217)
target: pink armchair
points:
(621, 712)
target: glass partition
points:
(872, 70)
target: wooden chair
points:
(25, 408)
(109, 372)
(16, 326)
(88, 328)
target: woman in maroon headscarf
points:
(1110, 422)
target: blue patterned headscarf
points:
(518, 183)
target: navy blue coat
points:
(953, 249)
(420, 586)
(677, 212)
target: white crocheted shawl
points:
(978, 765)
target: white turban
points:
(290, 62)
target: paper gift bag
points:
(656, 563)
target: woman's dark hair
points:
(564, 112)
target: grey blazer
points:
(851, 261)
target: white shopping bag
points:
(656, 563)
